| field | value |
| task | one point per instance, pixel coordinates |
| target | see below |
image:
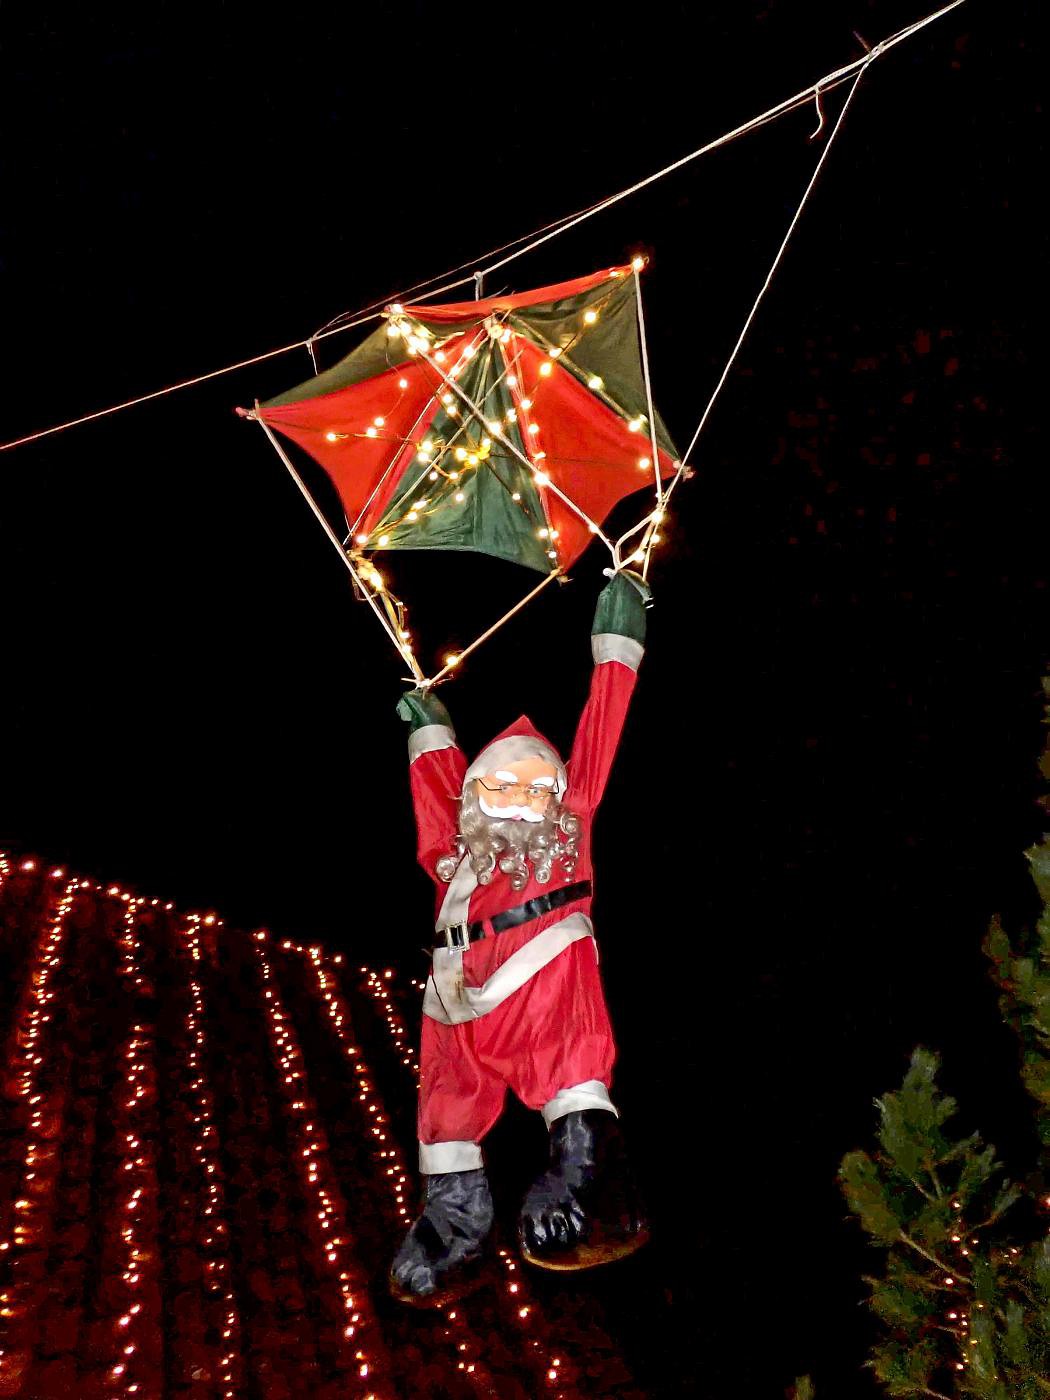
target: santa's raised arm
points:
(514, 995)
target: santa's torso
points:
(481, 959)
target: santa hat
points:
(519, 740)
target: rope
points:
(823, 85)
(531, 241)
(762, 291)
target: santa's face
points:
(519, 791)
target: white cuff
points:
(611, 646)
(428, 738)
(436, 1158)
(592, 1093)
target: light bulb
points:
(542, 479)
(546, 368)
(590, 317)
(371, 432)
(638, 263)
(554, 352)
(439, 355)
(413, 515)
(543, 533)
(595, 382)
(460, 496)
(515, 496)
(512, 380)
(384, 540)
(644, 462)
(451, 660)
(360, 539)
(379, 422)
(461, 454)
(423, 457)
(433, 476)
(402, 383)
(534, 428)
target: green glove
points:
(422, 707)
(621, 606)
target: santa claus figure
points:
(514, 996)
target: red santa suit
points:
(522, 1006)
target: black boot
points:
(584, 1210)
(440, 1256)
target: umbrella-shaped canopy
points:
(510, 425)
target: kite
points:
(508, 426)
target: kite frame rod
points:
(403, 651)
(451, 665)
(501, 438)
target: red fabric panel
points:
(477, 310)
(550, 1034)
(356, 462)
(592, 455)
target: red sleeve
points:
(436, 780)
(598, 733)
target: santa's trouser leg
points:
(439, 1259)
(584, 1210)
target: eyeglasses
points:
(527, 790)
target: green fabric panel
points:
(488, 520)
(378, 353)
(620, 609)
(610, 348)
(420, 708)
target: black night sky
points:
(830, 771)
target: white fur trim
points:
(428, 738)
(592, 1093)
(455, 907)
(435, 1158)
(611, 646)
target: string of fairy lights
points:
(129, 1373)
(23, 1217)
(329, 1212)
(131, 1316)
(205, 1150)
(515, 1294)
(387, 1151)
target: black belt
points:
(462, 935)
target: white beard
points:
(522, 814)
(512, 840)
